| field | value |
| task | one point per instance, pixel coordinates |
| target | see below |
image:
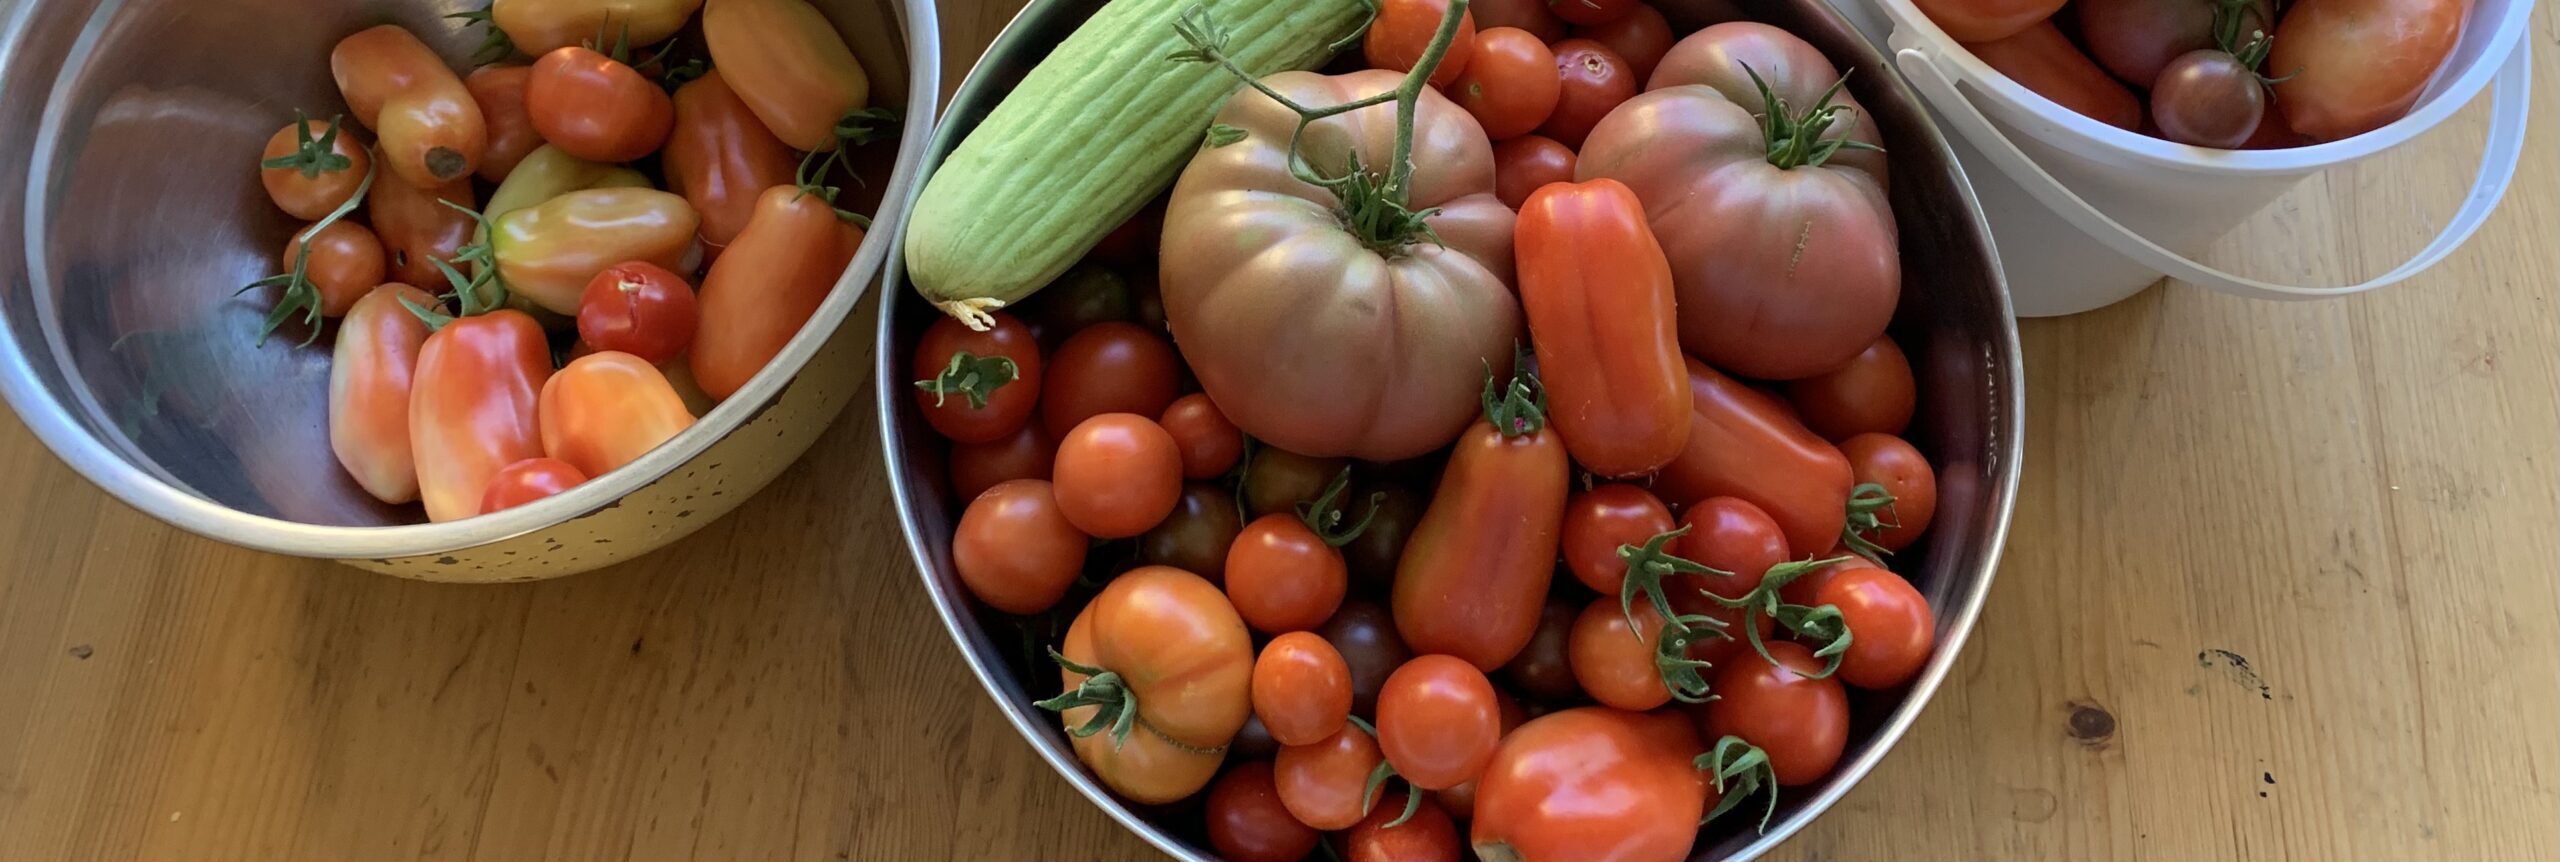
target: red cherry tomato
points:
(1326, 784)
(1730, 535)
(1301, 689)
(1118, 475)
(1598, 521)
(1111, 367)
(1438, 723)
(1015, 550)
(1643, 36)
(1283, 577)
(1802, 722)
(1530, 15)
(1247, 823)
(1211, 445)
(1402, 32)
(597, 108)
(1592, 13)
(977, 387)
(1874, 392)
(1544, 669)
(1802, 590)
(1026, 454)
(641, 309)
(1428, 836)
(1524, 164)
(528, 480)
(1884, 459)
(1891, 625)
(1595, 81)
(347, 262)
(1613, 660)
(1719, 651)
(1510, 84)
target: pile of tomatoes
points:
(497, 222)
(1269, 571)
(2230, 74)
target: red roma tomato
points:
(1785, 251)
(1510, 85)
(1325, 785)
(2208, 98)
(1530, 15)
(1730, 535)
(1438, 722)
(1118, 475)
(541, 26)
(1527, 163)
(2135, 39)
(1211, 445)
(1598, 295)
(1595, 82)
(975, 467)
(346, 263)
(1802, 722)
(1544, 669)
(765, 287)
(311, 168)
(369, 381)
(1891, 625)
(2040, 58)
(1874, 392)
(417, 229)
(1301, 689)
(1365, 633)
(500, 92)
(1014, 550)
(1641, 37)
(597, 108)
(1284, 576)
(607, 409)
(1744, 444)
(1593, 785)
(1196, 537)
(529, 480)
(1402, 32)
(1247, 823)
(1428, 836)
(429, 128)
(721, 158)
(1475, 572)
(641, 309)
(789, 64)
(548, 252)
(1108, 368)
(1593, 13)
(1598, 521)
(1986, 20)
(1185, 662)
(2357, 65)
(977, 387)
(1887, 460)
(1802, 590)
(1614, 660)
(473, 409)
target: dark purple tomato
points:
(2209, 99)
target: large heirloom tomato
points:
(1781, 239)
(1308, 337)
(1592, 784)
(1179, 661)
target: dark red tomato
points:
(1643, 36)
(1874, 392)
(641, 309)
(1391, 511)
(1282, 576)
(974, 387)
(1428, 836)
(1086, 295)
(1196, 536)
(1887, 460)
(1614, 659)
(1598, 521)
(2208, 98)
(1595, 81)
(1530, 15)
(1325, 785)
(1593, 785)
(1015, 550)
(1985, 20)
(1729, 534)
(1364, 632)
(1524, 164)
(1438, 722)
(1253, 742)
(1118, 475)
(528, 480)
(1510, 84)
(1111, 367)
(1026, 454)
(1402, 32)
(2274, 133)
(1544, 669)
(597, 108)
(2135, 39)
(1592, 13)
(1279, 480)
(1134, 241)
(1301, 689)
(1802, 722)
(1210, 444)
(2040, 58)
(1802, 590)
(1891, 626)
(1247, 823)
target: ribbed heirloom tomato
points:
(1181, 663)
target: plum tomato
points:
(1642, 37)
(528, 480)
(1118, 475)
(1109, 367)
(1026, 454)
(1015, 550)
(1874, 392)
(1326, 785)
(597, 107)
(642, 309)
(1210, 444)
(1889, 461)
(1195, 538)
(1401, 33)
(1598, 521)
(1438, 722)
(1427, 836)
(1247, 823)
(1510, 85)
(1593, 784)
(1892, 625)
(1544, 669)
(1364, 632)
(1301, 689)
(974, 387)
(1595, 80)
(1524, 164)
(1801, 721)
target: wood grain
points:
(2354, 496)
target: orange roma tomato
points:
(500, 90)
(1014, 550)
(1598, 294)
(473, 409)
(765, 287)
(1301, 689)
(596, 107)
(1475, 573)
(346, 263)
(1184, 662)
(538, 27)
(549, 252)
(312, 168)
(2353, 66)
(790, 65)
(430, 128)
(529, 480)
(2040, 58)
(607, 409)
(1593, 784)
(721, 158)
(369, 381)
(417, 229)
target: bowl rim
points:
(1040, 731)
(43, 409)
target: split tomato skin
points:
(1008, 406)
(721, 158)
(767, 284)
(1476, 571)
(527, 481)
(474, 407)
(1438, 721)
(1595, 82)
(1745, 443)
(1179, 647)
(607, 409)
(500, 92)
(428, 128)
(639, 308)
(371, 372)
(1802, 722)
(310, 197)
(1598, 521)
(1014, 550)
(1598, 294)
(596, 107)
(1592, 784)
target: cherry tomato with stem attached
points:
(1598, 521)
(1402, 32)
(1895, 629)
(1594, 81)
(311, 168)
(1015, 550)
(641, 309)
(1438, 723)
(977, 386)
(1613, 654)
(1119, 475)
(1247, 823)
(1801, 720)
(1874, 392)
(1386, 835)
(1211, 445)
(1730, 535)
(1279, 480)
(1301, 689)
(1906, 478)
(1107, 368)
(1027, 454)
(1285, 572)
(1510, 84)
(529, 480)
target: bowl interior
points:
(138, 123)
(1954, 322)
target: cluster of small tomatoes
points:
(454, 305)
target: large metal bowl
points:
(128, 128)
(1954, 322)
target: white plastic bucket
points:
(2087, 214)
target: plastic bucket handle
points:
(2509, 98)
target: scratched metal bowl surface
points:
(128, 128)
(1954, 322)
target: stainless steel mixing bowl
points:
(1954, 322)
(129, 129)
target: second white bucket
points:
(2087, 215)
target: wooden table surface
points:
(2353, 497)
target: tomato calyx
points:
(300, 294)
(1648, 564)
(1519, 408)
(1804, 140)
(1823, 625)
(1869, 504)
(861, 126)
(1102, 688)
(1378, 781)
(1747, 768)
(312, 156)
(1324, 513)
(1685, 676)
(495, 45)
(974, 377)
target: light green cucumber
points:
(1095, 131)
